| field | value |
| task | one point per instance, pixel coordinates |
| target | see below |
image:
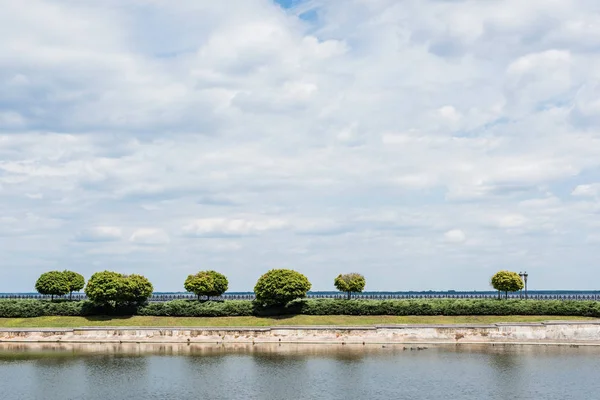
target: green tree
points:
(52, 283)
(104, 287)
(506, 281)
(280, 286)
(76, 282)
(350, 283)
(206, 283)
(136, 289)
(115, 289)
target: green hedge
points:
(192, 308)
(445, 307)
(39, 308)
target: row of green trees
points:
(276, 287)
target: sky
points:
(423, 143)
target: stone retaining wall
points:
(546, 332)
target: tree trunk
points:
(198, 297)
(70, 296)
(349, 295)
(506, 295)
(51, 297)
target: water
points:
(271, 372)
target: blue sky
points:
(425, 144)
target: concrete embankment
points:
(551, 332)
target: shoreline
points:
(572, 333)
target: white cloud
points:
(538, 77)
(455, 236)
(354, 138)
(99, 234)
(322, 227)
(149, 236)
(450, 113)
(510, 221)
(590, 190)
(208, 227)
(593, 239)
(11, 119)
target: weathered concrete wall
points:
(547, 332)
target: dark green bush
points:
(193, 308)
(189, 308)
(39, 308)
(186, 308)
(445, 307)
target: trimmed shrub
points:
(59, 283)
(75, 281)
(104, 287)
(40, 308)
(191, 308)
(506, 281)
(350, 283)
(280, 286)
(54, 283)
(234, 308)
(445, 307)
(109, 288)
(136, 289)
(206, 283)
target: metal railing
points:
(369, 296)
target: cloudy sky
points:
(423, 143)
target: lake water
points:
(272, 372)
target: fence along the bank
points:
(365, 296)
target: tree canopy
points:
(76, 281)
(350, 283)
(104, 287)
(113, 288)
(507, 281)
(53, 283)
(136, 289)
(280, 286)
(207, 283)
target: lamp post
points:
(524, 276)
(521, 291)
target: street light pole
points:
(524, 276)
(522, 279)
(521, 291)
